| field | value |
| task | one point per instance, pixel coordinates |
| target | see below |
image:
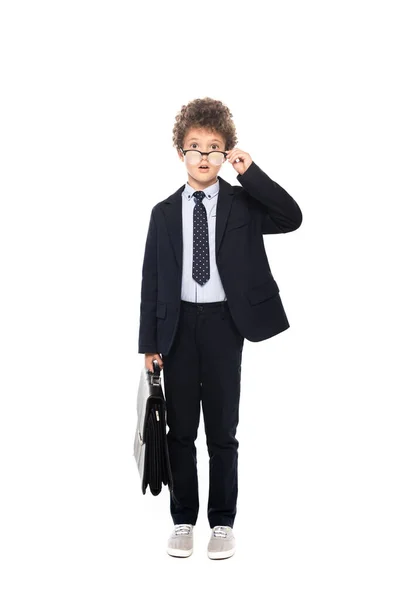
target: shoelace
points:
(182, 529)
(221, 531)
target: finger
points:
(235, 156)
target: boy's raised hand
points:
(240, 160)
(148, 361)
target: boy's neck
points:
(199, 185)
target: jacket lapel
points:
(172, 209)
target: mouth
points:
(204, 168)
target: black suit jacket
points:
(244, 214)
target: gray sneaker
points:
(180, 542)
(222, 542)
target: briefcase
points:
(150, 445)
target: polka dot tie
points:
(201, 259)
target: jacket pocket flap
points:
(161, 310)
(262, 291)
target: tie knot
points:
(199, 195)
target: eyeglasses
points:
(193, 157)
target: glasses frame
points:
(204, 153)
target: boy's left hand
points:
(244, 158)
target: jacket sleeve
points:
(148, 303)
(277, 209)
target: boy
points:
(207, 285)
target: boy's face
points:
(205, 140)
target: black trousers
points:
(204, 365)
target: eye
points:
(216, 146)
(193, 144)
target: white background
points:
(89, 95)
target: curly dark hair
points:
(208, 113)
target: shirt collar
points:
(210, 191)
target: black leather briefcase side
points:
(150, 445)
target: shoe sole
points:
(222, 554)
(179, 553)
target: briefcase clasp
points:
(155, 379)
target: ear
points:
(180, 154)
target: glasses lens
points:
(193, 157)
(216, 158)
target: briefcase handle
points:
(155, 378)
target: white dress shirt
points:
(191, 291)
